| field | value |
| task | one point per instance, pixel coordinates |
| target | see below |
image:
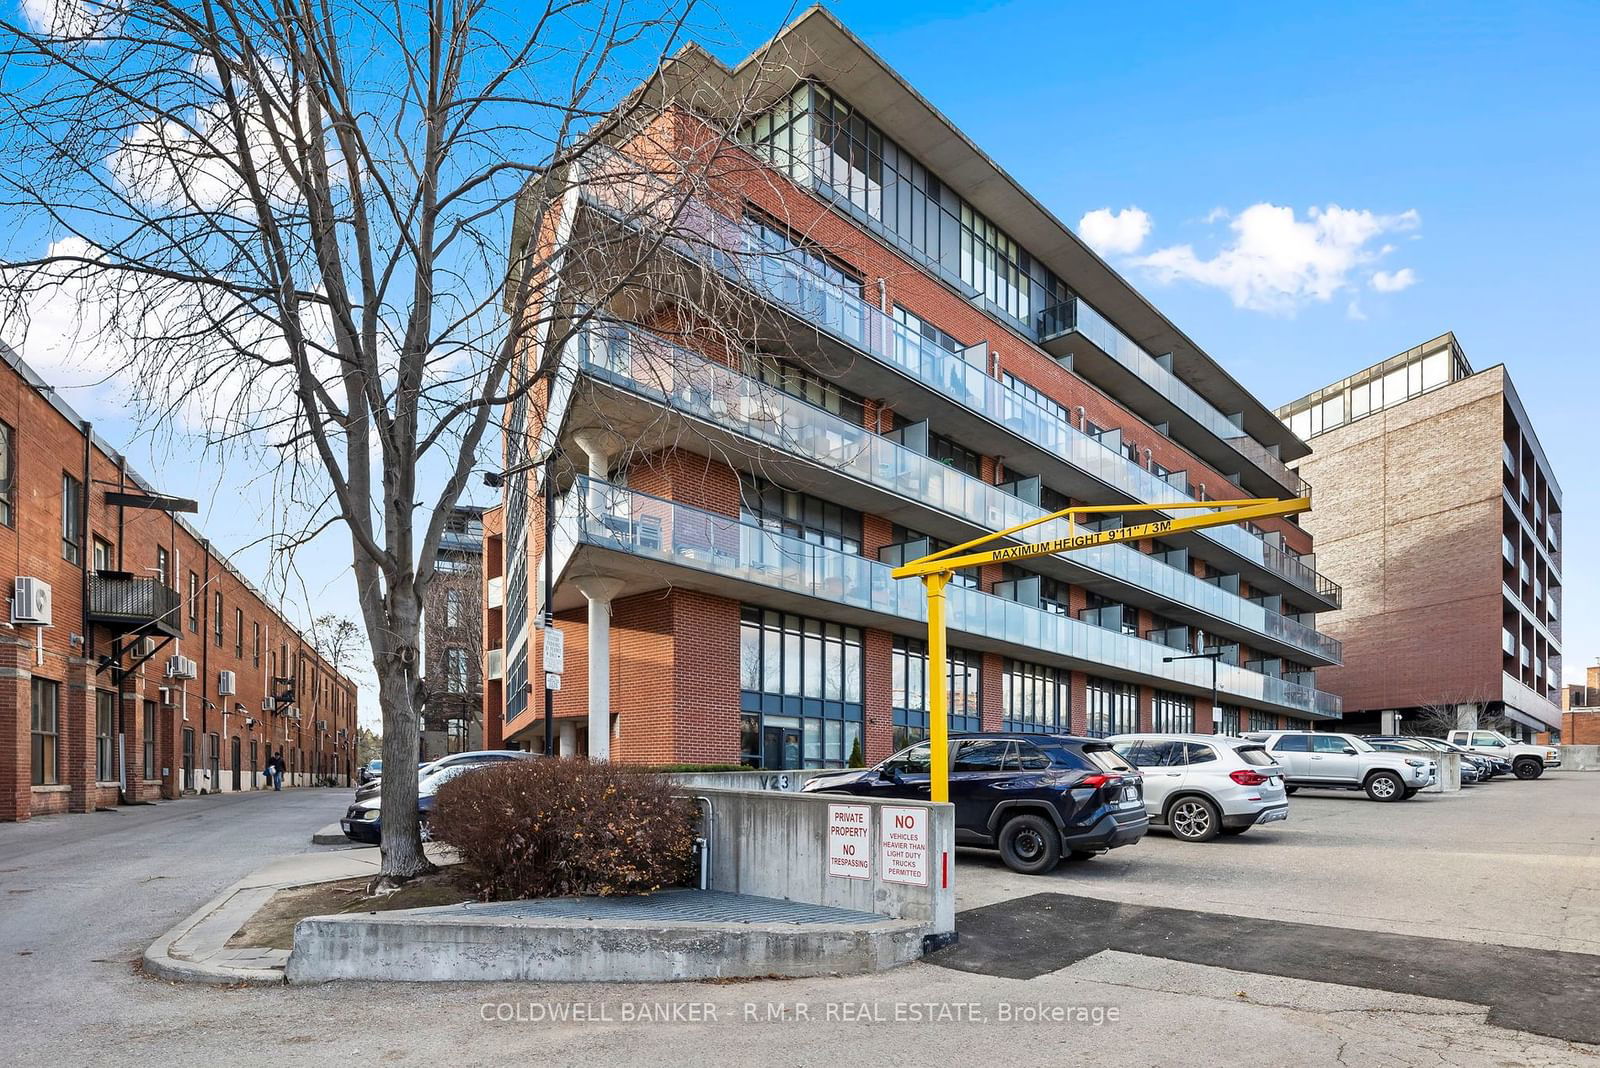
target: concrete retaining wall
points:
(774, 844)
(778, 781)
(1580, 758)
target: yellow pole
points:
(938, 690)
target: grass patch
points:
(272, 927)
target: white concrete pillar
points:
(567, 738)
(1389, 722)
(599, 592)
(601, 447)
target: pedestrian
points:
(277, 766)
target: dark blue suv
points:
(1033, 797)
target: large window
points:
(800, 683)
(8, 474)
(799, 515)
(807, 385)
(46, 730)
(1263, 721)
(194, 603)
(105, 726)
(163, 566)
(1173, 713)
(216, 618)
(1227, 721)
(238, 633)
(1112, 707)
(908, 686)
(1036, 699)
(455, 670)
(454, 608)
(818, 139)
(71, 519)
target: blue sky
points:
(1459, 141)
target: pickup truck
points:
(1329, 761)
(1527, 761)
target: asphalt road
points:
(82, 897)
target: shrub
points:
(554, 827)
(668, 769)
(856, 759)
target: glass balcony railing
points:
(599, 514)
(737, 253)
(1073, 315)
(648, 365)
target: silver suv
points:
(1203, 785)
(1346, 762)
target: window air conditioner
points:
(30, 602)
(226, 684)
(181, 667)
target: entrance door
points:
(780, 745)
(188, 758)
(236, 762)
(255, 761)
(215, 745)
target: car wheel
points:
(1291, 789)
(1030, 844)
(1527, 768)
(1385, 786)
(1194, 819)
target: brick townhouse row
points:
(112, 599)
(934, 357)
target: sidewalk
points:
(196, 951)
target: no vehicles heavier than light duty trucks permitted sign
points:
(903, 843)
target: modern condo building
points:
(862, 342)
(1439, 510)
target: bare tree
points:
(340, 640)
(290, 223)
(1464, 710)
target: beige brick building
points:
(1439, 512)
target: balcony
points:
(1073, 316)
(730, 555)
(132, 605)
(847, 319)
(648, 366)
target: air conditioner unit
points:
(166, 695)
(30, 602)
(322, 724)
(181, 667)
(268, 705)
(249, 722)
(226, 684)
(142, 647)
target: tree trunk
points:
(402, 837)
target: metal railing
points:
(131, 601)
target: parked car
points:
(1469, 768)
(1033, 797)
(369, 771)
(476, 756)
(1202, 785)
(363, 821)
(1345, 762)
(1527, 761)
(1482, 768)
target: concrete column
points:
(16, 734)
(566, 738)
(601, 447)
(599, 592)
(1389, 722)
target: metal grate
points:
(691, 906)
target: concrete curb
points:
(332, 834)
(195, 949)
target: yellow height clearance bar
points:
(936, 569)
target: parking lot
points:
(1508, 862)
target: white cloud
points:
(1114, 232)
(1277, 262)
(1394, 281)
(71, 19)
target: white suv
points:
(1202, 785)
(1345, 762)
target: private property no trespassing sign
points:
(850, 841)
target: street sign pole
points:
(547, 611)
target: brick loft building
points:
(136, 663)
(1440, 511)
(931, 356)
(1580, 710)
(452, 638)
